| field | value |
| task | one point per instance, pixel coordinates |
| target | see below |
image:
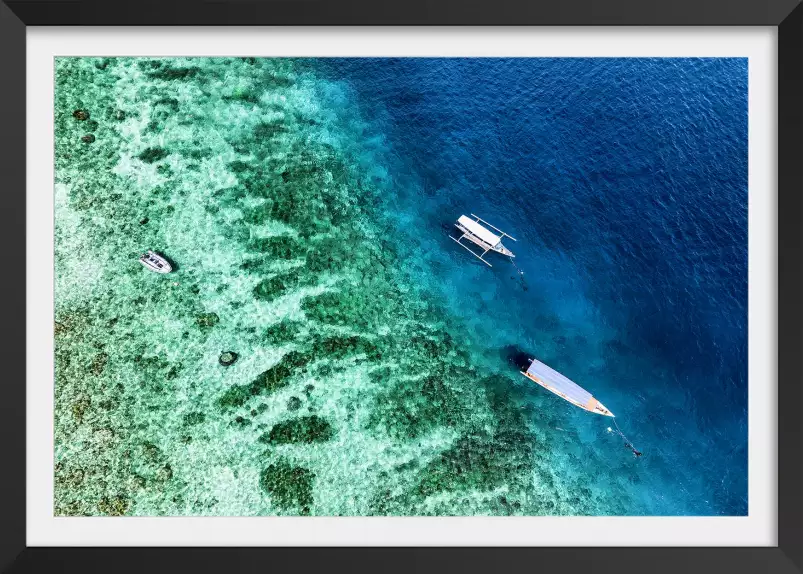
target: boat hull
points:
(501, 249)
(155, 262)
(591, 405)
(504, 250)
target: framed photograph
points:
(402, 286)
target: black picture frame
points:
(787, 15)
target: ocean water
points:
(306, 205)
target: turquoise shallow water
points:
(304, 204)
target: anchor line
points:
(521, 275)
(628, 444)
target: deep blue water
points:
(625, 183)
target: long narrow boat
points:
(566, 389)
(474, 231)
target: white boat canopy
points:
(560, 385)
(478, 230)
(479, 235)
(558, 382)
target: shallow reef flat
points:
(344, 395)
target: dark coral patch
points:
(99, 363)
(174, 73)
(171, 103)
(478, 461)
(280, 81)
(276, 377)
(282, 332)
(409, 409)
(153, 154)
(270, 289)
(238, 166)
(146, 65)
(114, 505)
(236, 396)
(278, 247)
(292, 363)
(301, 430)
(242, 96)
(289, 486)
(267, 130)
(80, 407)
(354, 307)
(196, 418)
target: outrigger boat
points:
(155, 262)
(476, 233)
(568, 390)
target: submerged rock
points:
(88, 138)
(80, 115)
(228, 358)
(207, 319)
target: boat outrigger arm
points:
(475, 232)
(568, 390)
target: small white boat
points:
(566, 389)
(155, 262)
(474, 231)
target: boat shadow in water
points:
(515, 357)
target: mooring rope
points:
(628, 444)
(521, 275)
